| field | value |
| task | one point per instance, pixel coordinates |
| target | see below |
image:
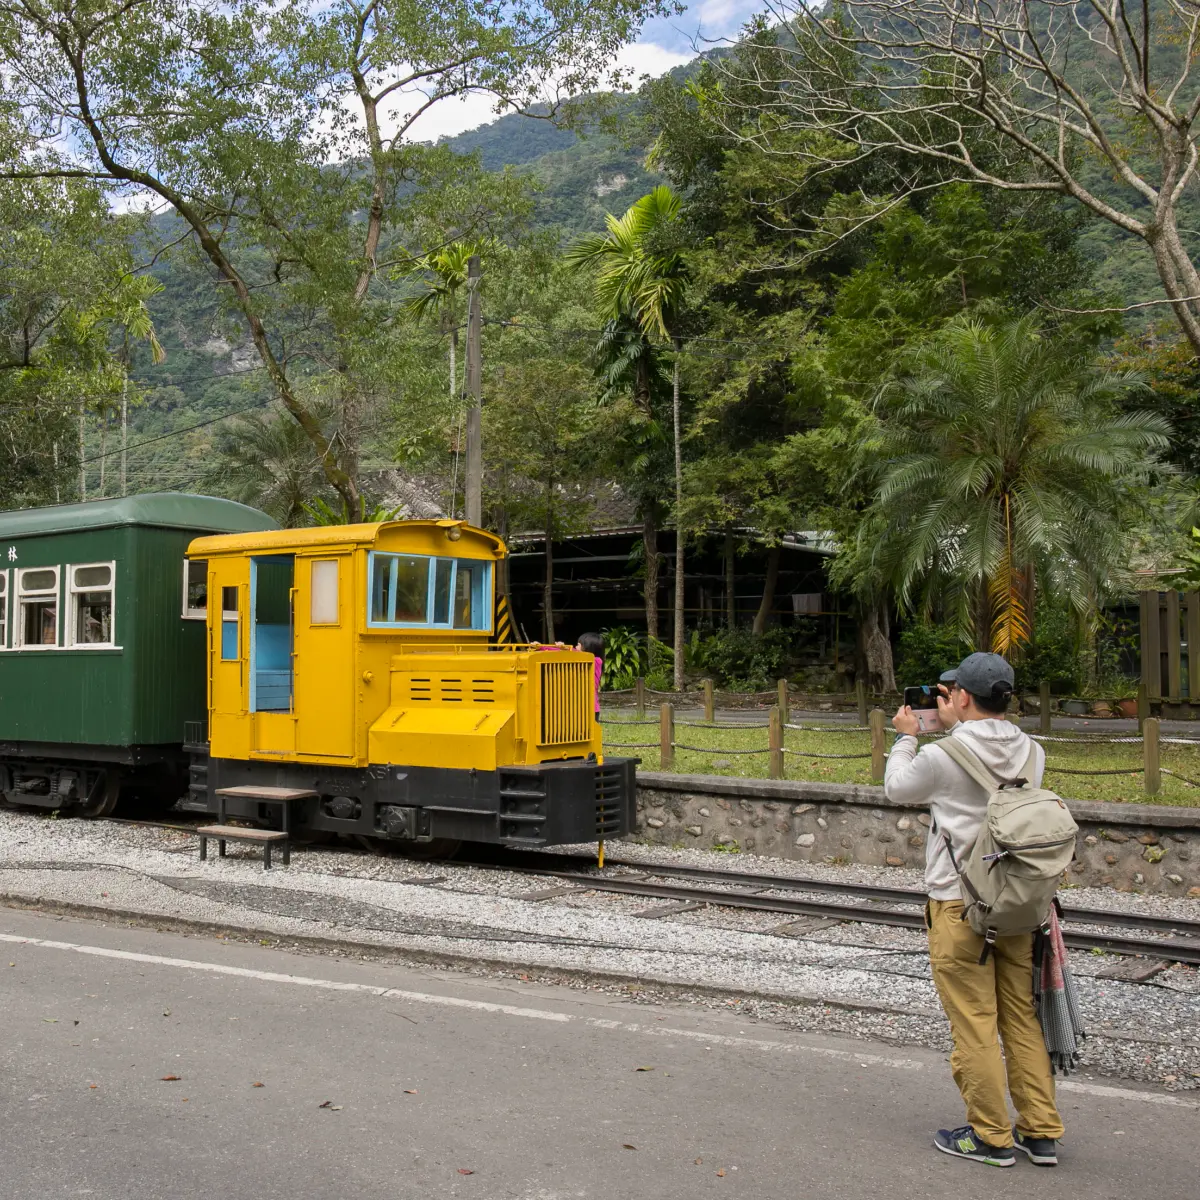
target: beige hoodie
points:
(957, 804)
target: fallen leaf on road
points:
(699, 1161)
(166, 1012)
(93, 1086)
(12, 964)
(325, 1104)
(258, 1085)
(627, 1146)
(76, 1022)
(645, 1068)
(465, 1171)
(170, 1078)
(721, 1171)
(50, 1020)
(410, 1091)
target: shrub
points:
(624, 658)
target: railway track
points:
(1177, 940)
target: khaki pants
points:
(986, 1002)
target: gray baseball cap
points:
(982, 674)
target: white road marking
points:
(540, 1014)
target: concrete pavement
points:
(441, 1085)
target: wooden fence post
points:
(860, 692)
(1044, 706)
(785, 711)
(710, 710)
(775, 742)
(878, 719)
(666, 737)
(1143, 707)
(1150, 747)
(639, 695)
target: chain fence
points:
(1147, 765)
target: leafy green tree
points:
(69, 298)
(282, 137)
(1003, 465)
(641, 275)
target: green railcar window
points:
(90, 591)
(37, 596)
(195, 588)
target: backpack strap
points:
(969, 761)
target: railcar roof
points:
(164, 510)
(329, 535)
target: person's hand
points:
(946, 713)
(905, 721)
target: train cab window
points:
(37, 595)
(399, 589)
(90, 598)
(468, 600)
(324, 589)
(229, 623)
(435, 593)
(195, 589)
(3, 609)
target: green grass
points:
(718, 745)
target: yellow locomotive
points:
(353, 671)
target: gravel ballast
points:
(860, 979)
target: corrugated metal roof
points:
(164, 510)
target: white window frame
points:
(72, 593)
(6, 606)
(19, 633)
(192, 614)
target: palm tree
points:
(447, 268)
(269, 462)
(642, 278)
(1006, 461)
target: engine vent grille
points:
(567, 702)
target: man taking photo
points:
(986, 989)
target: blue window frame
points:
(415, 591)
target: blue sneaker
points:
(966, 1143)
(1042, 1152)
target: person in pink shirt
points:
(593, 643)
(589, 643)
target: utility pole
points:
(124, 429)
(474, 481)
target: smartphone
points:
(923, 701)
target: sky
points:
(665, 42)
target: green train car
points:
(102, 642)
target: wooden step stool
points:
(236, 833)
(285, 797)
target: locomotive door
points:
(228, 697)
(272, 650)
(325, 657)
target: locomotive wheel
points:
(102, 802)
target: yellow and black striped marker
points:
(504, 632)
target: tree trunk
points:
(650, 546)
(548, 578)
(768, 596)
(680, 540)
(730, 595)
(875, 646)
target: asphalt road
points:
(440, 1085)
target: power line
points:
(175, 432)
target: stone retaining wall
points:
(1144, 846)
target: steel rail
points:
(1173, 949)
(887, 895)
